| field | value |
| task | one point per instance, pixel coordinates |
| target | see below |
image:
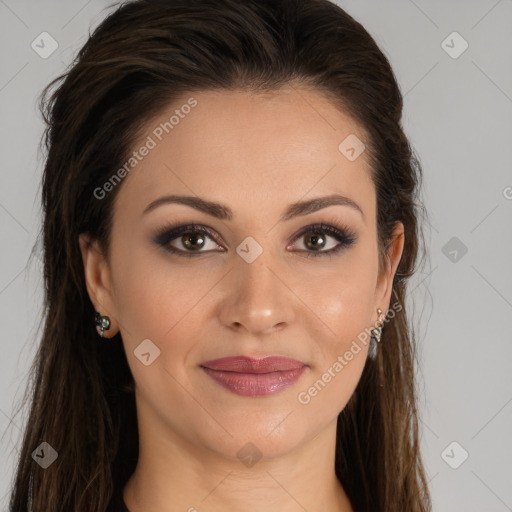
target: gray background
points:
(458, 115)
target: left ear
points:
(392, 259)
(97, 276)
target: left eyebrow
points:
(223, 212)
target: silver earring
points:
(375, 337)
(102, 324)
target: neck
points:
(173, 475)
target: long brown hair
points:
(136, 62)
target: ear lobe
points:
(97, 275)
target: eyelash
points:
(345, 236)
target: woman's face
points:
(259, 283)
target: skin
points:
(255, 153)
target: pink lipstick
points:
(254, 377)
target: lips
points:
(244, 364)
(254, 377)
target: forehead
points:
(253, 151)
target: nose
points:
(259, 300)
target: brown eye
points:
(186, 240)
(316, 239)
(189, 240)
(193, 241)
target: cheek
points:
(167, 315)
(154, 303)
(342, 306)
(345, 317)
(151, 295)
(342, 300)
(340, 351)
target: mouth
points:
(254, 377)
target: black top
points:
(123, 508)
(117, 507)
(117, 504)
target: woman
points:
(230, 220)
